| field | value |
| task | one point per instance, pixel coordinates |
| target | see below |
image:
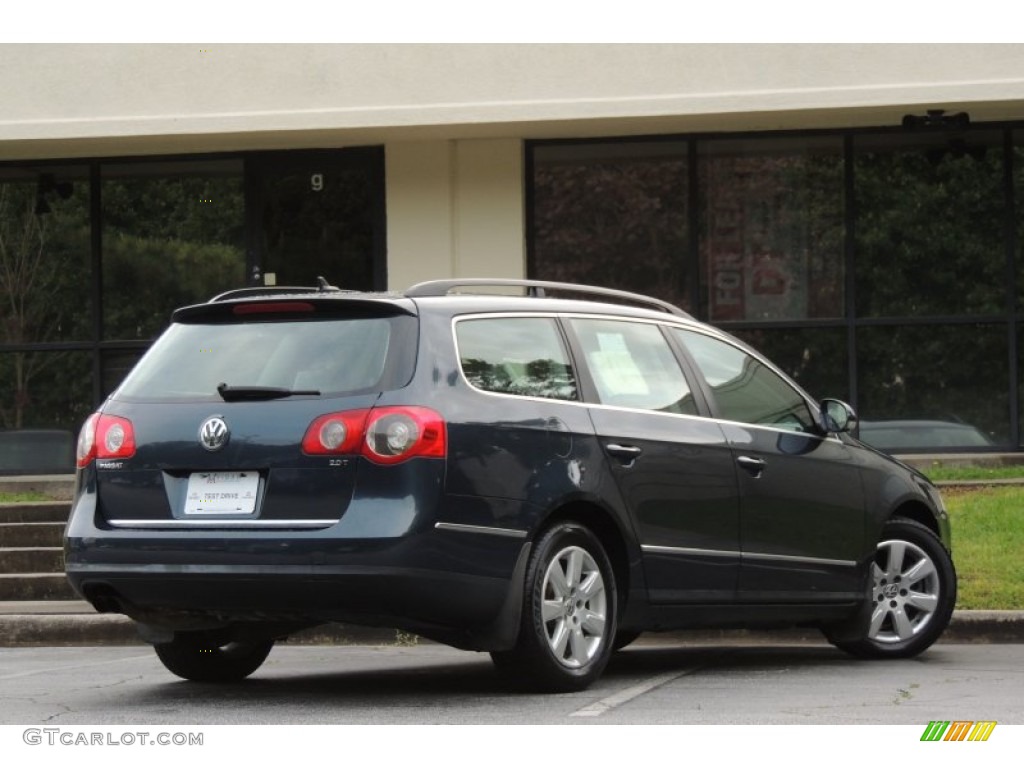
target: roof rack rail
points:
(538, 288)
(322, 286)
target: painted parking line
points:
(626, 695)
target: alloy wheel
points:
(906, 592)
(574, 608)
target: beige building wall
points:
(94, 100)
(453, 118)
(455, 209)
(420, 211)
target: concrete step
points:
(32, 534)
(50, 486)
(31, 560)
(35, 512)
(45, 607)
(35, 586)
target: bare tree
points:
(26, 279)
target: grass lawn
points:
(940, 473)
(12, 498)
(988, 546)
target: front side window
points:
(745, 389)
(516, 356)
(633, 366)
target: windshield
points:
(329, 357)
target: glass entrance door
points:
(317, 213)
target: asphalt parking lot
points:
(651, 683)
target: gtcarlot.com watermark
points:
(67, 737)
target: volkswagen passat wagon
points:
(540, 478)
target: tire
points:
(913, 591)
(199, 657)
(569, 609)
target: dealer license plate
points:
(222, 493)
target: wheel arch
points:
(919, 512)
(865, 634)
(611, 535)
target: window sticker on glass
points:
(615, 366)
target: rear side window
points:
(516, 356)
(333, 357)
(633, 366)
(745, 389)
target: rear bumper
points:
(430, 603)
(462, 586)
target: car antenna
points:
(323, 286)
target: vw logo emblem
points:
(214, 433)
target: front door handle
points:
(754, 466)
(627, 454)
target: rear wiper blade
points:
(232, 393)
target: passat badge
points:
(214, 433)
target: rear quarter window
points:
(516, 356)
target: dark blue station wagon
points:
(540, 478)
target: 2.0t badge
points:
(214, 433)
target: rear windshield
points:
(332, 357)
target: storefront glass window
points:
(173, 234)
(44, 254)
(318, 217)
(614, 215)
(45, 302)
(44, 398)
(1018, 196)
(930, 224)
(942, 386)
(87, 282)
(771, 234)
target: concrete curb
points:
(40, 627)
(74, 630)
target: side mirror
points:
(836, 416)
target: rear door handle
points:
(627, 454)
(754, 466)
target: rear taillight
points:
(335, 433)
(105, 437)
(87, 441)
(383, 435)
(399, 433)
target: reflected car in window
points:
(921, 436)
